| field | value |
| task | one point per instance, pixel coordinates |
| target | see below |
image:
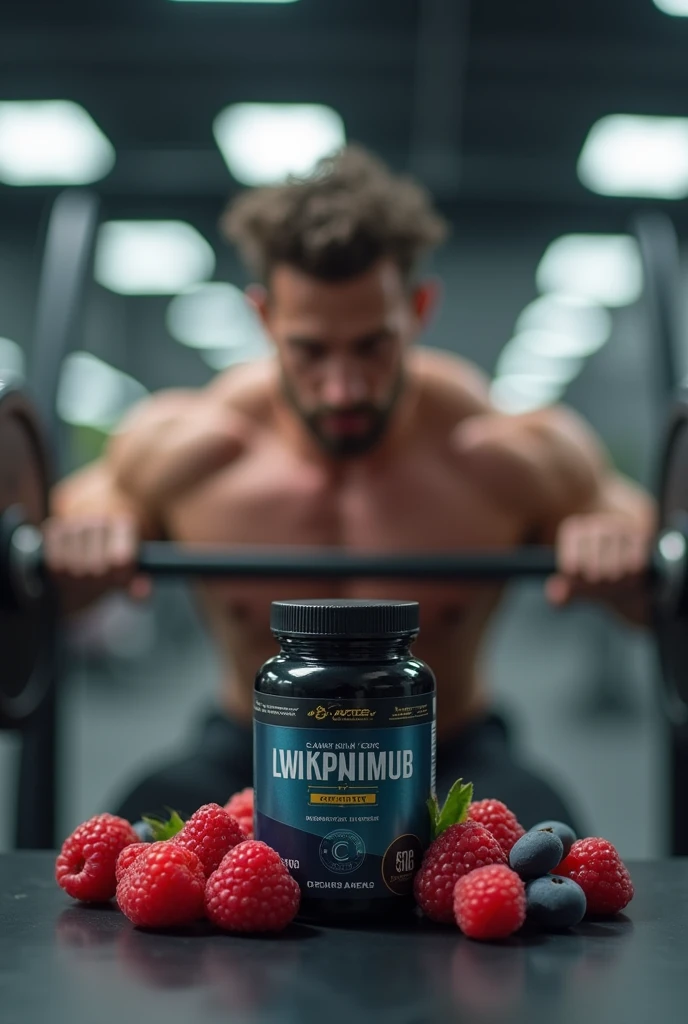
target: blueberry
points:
(536, 853)
(143, 831)
(565, 832)
(555, 903)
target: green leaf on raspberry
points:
(455, 809)
(163, 830)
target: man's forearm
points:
(92, 493)
(87, 492)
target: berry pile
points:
(484, 872)
(205, 867)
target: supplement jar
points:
(344, 752)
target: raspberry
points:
(499, 820)
(85, 866)
(241, 807)
(210, 833)
(164, 886)
(601, 874)
(127, 857)
(458, 850)
(252, 891)
(490, 903)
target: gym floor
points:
(579, 689)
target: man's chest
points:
(420, 503)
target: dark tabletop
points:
(60, 962)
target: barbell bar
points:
(27, 604)
(24, 562)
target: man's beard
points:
(347, 445)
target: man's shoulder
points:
(229, 406)
(539, 461)
(451, 387)
(178, 437)
(246, 391)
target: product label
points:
(341, 790)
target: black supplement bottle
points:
(344, 750)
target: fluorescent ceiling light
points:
(602, 268)
(11, 359)
(263, 143)
(51, 142)
(151, 257)
(532, 372)
(516, 393)
(565, 325)
(634, 155)
(520, 358)
(548, 345)
(215, 316)
(553, 335)
(94, 394)
(678, 8)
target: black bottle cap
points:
(343, 618)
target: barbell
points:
(27, 605)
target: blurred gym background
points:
(542, 130)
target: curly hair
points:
(336, 223)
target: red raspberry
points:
(601, 874)
(85, 866)
(127, 858)
(252, 891)
(499, 820)
(458, 850)
(210, 833)
(240, 806)
(490, 903)
(164, 887)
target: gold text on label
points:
(343, 799)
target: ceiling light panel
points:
(264, 143)
(51, 142)
(605, 269)
(636, 155)
(155, 257)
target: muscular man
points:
(350, 436)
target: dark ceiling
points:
(490, 105)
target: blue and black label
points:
(341, 790)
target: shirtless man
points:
(350, 437)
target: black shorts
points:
(219, 762)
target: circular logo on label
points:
(400, 863)
(342, 851)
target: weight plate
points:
(27, 629)
(672, 634)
